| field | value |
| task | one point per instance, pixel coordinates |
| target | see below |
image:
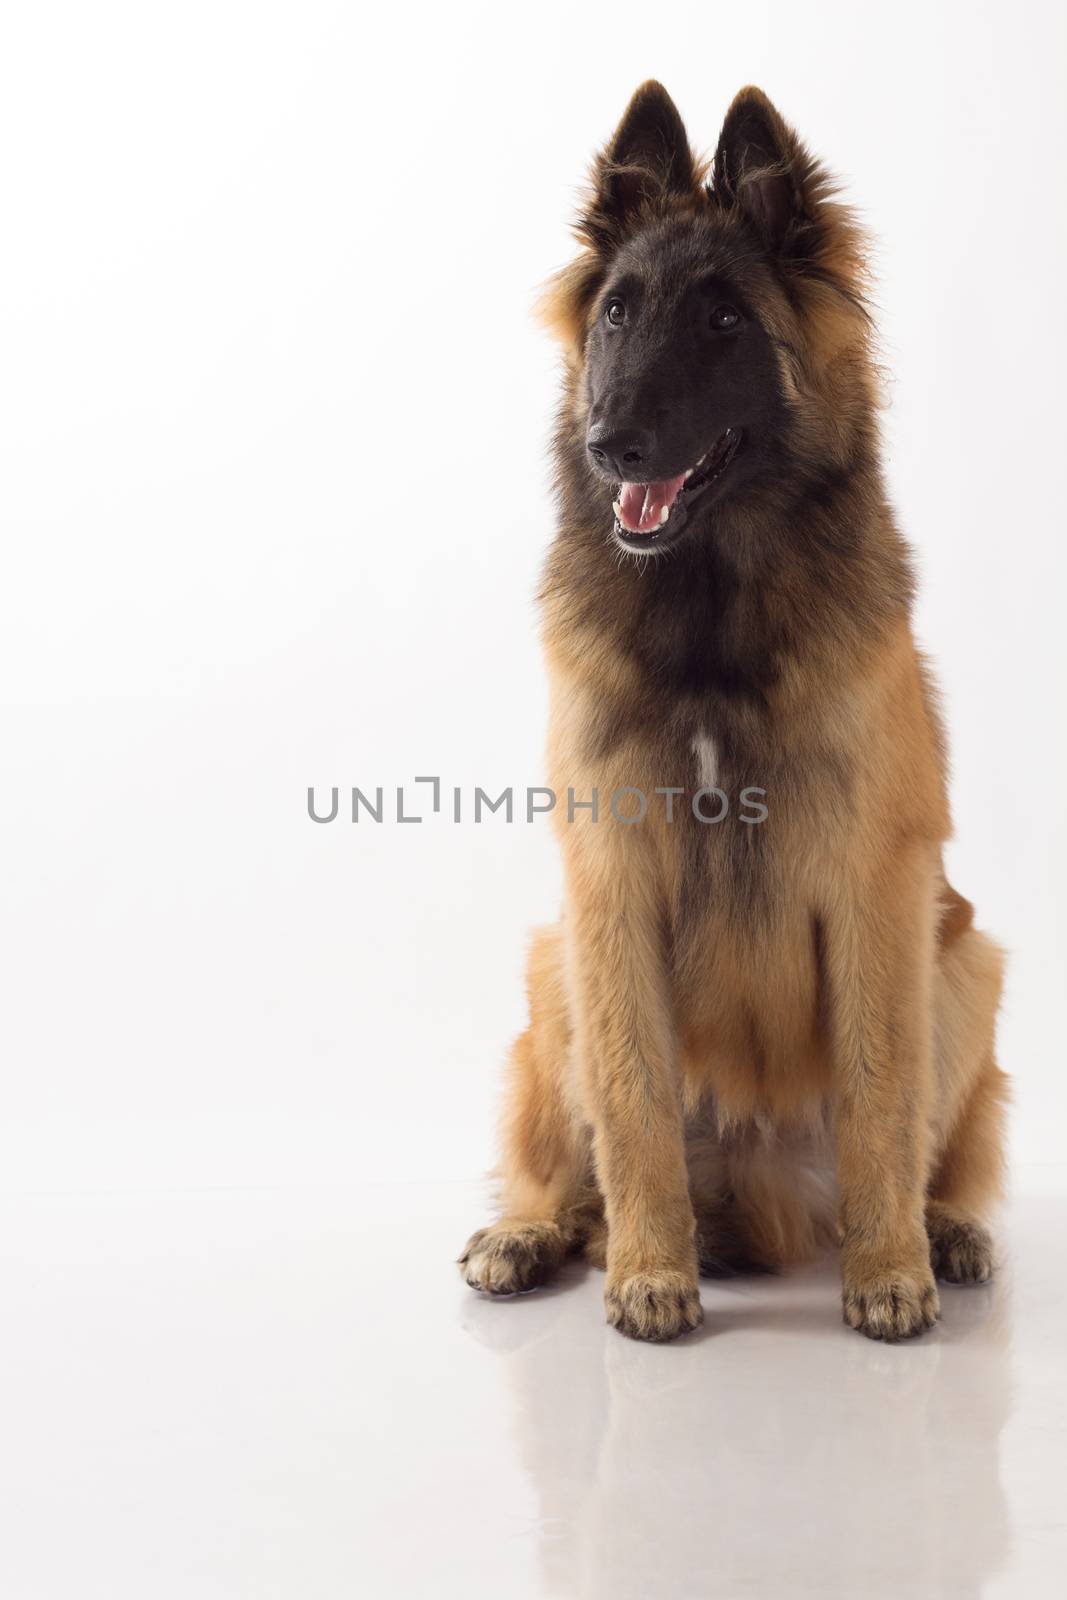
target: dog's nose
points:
(620, 450)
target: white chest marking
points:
(707, 758)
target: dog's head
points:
(714, 320)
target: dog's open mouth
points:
(648, 514)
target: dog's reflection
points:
(773, 1453)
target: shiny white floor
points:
(290, 1394)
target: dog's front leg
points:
(626, 1058)
(881, 956)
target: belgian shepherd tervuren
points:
(747, 1038)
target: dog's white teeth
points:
(664, 514)
(617, 508)
(689, 471)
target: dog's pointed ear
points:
(651, 138)
(760, 166)
(647, 159)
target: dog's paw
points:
(511, 1257)
(891, 1305)
(961, 1251)
(654, 1305)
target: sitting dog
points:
(750, 1035)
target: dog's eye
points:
(615, 313)
(723, 318)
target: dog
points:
(746, 1042)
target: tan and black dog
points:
(748, 1038)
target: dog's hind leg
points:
(549, 1203)
(969, 1162)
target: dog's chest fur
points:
(706, 756)
(746, 961)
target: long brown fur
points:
(746, 1042)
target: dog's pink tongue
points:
(642, 504)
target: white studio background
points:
(274, 498)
